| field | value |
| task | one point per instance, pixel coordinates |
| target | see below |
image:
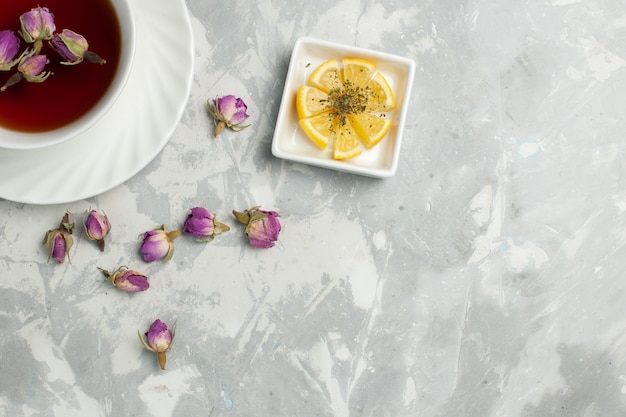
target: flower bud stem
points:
(218, 128)
(162, 359)
(220, 228)
(94, 57)
(37, 46)
(243, 218)
(104, 272)
(13, 79)
(173, 234)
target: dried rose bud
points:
(59, 241)
(228, 111)
(59, 244)
(31, 69)
(73, 47)
(126, 279)
(262, 227)
(96, 227)
(158, 244)
(203, 225)
(37, 25)
(9, 47)
(159, 339)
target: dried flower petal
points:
(228, 111)
(9, 47)
(97, 227)
(37, 25)
(59, 241)
(158, 339)
(31, 69)
(73, 47)
(158, 244)
(127, 279)
(262, 227)
(202, 224)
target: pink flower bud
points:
(228, 111)
(30, 68)
(203, 225)
(37, 25)
(73, 47)
(262, 227)
(59, 241)
(158, 244)
(126, 279)
(96, 227)
(159, 339)
(9, 47)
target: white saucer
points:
(131, 134)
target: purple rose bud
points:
(59, 244)
(73, 47)
(228, 111)
(262, 227)
(127, 280)
(96, 227)
(158, 244)
(31, 69)
(37, 25)
(59, 241)
(159, 339)
(9, 47)
(203, 225)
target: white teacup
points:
(15, 139)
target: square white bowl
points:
(290, 142)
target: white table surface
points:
(485, 279)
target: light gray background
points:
(484, 279)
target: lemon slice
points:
(346, 142)
(357, 72)
(346, 102)
(381, 95)
(311, 101)
(370, 127)
(327, 76)
(319, 128)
